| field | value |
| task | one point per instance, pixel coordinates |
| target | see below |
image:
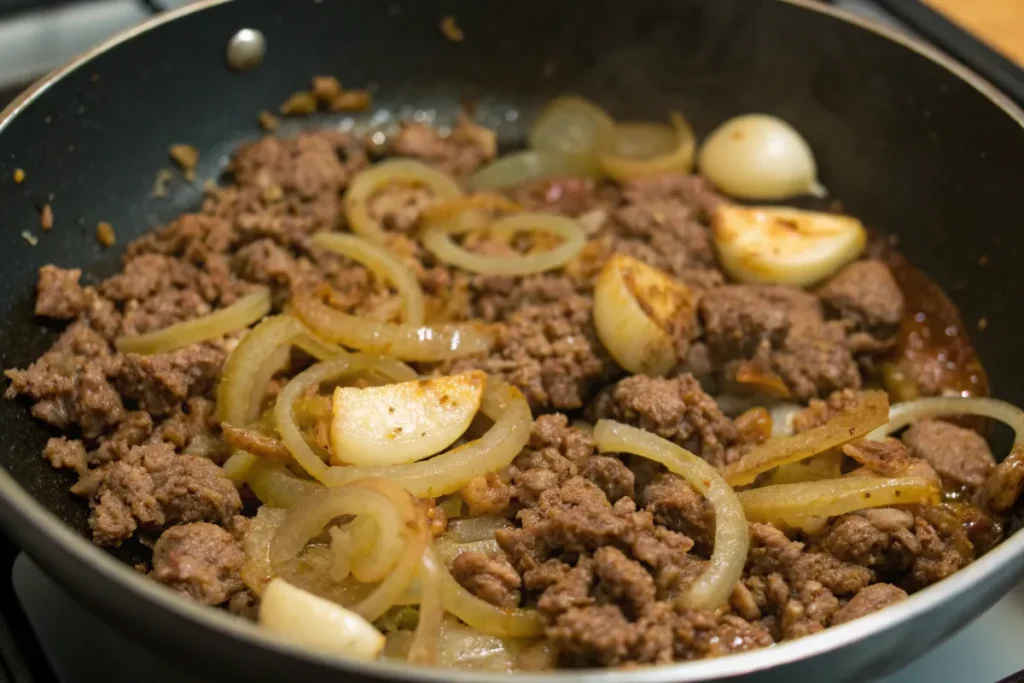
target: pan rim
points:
(25, 517)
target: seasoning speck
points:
(982, 324)
(19, 175)
(298, 104)
(186, 156)
(351, 100)
(105, 234)
(46, 217)
(30, 238)
(983, 260)
(451, 30)
(160, 183)
(268, 122)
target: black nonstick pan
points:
(908, 141)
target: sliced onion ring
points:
(384, 264)
(572, 126)
(784, 503)
(237, 316)
(732, 540)
(637, 150)
(519, 168)
(277, 487)
(398, 340)
(436, 239)
(428, 629)
(366, 183)
(869, 413)
(486, 618)
(904, 414)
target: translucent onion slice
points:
(436, 238)
(572, 126)
(368, 182)
(277, 487)
(475, 529)
(784, 245)
(732, 540)
(428, 629)
(452, 470)
(868, 414)
(300, 617)
(826, 465)
(384, 264)
(904, 414)
(448, 550)
(831, 497)
(638, 150)
(502, 622)
(408, 342)
(237, 316)
(403, 422)
(256, 569)
(519, 168)
(635, 306)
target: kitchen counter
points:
(1000, 23)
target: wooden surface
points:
(998, 22)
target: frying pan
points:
(911, 143)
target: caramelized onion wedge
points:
(300, 617)
(638, 150)
(404, 422)
(408, 342)
(382, 263)
(783, 245)
(368, 182)
(904, 414)
(436, 238)
(572, 126)
(828, 498)
(870, 413)
(519, 168)
(237, 316)
(635, 306)
(452, 470)
(486, 618)
(713, 588)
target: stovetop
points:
(46, 638)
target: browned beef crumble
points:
(601, 545)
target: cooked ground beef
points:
(601, 545)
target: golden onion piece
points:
(637, 150)
(783, 245)
(786, 503)
(759, 157)
(869, 413)
(404, 422)
(299, 617)
(572, 126)
(436, 238)
(712, 588)
(635, 309)
(365, 184)
(237, 316)
(382, 263)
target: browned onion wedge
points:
(408, 342)
(368, 182)
(869, 413)
(237, 316)
(732, 541)
(830, 497)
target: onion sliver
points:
(452, 470)
(831, 497)
(237, 402)
(528, 165)
(636, 338)
(383, 263)
(475, 528)
(408, 342)
(502, 622)
(637, 150)
(257, 570)
(436, 239)
(904, 414)
(237, 316)
(428, 630)
(277, 487)
(448, 550)
(732, 539)
(572, 126)
(870, 412)
(366, 183)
